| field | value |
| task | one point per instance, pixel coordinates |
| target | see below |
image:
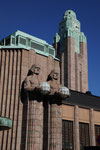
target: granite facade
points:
(27, 116)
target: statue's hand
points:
(28, 87)
(38, 88)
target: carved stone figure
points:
(55, 111)
(33, 108)
(32, 80)
(53, 81)
(55, 88)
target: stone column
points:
(35, 125)
(55, 126)
(31, 86)
(92, 128)
(76, 129)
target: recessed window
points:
(51, 51)
(13, 40)
(7, 41)
(37, 46)
(22, 41)
(97, 134)
(84, 135)
(67, 135)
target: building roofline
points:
(83, 100)
(85, 93)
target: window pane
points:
(7, 41)
(22, 41)
(13, 40)
(37, 46)
(97, 134)
(84, 134)
(67, 135)
(51, 51)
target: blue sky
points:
(41, 19)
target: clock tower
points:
(71, 47)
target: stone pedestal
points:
(92, 128)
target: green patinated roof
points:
(70, 27)
(20, 39)
(5, 123)
(70, 13)
(17, 33)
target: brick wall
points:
(14, 66)
(74, 72)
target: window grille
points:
(13, 40)
(84, 135)
(51, 51)
(97, 135)
(37, 46)
(67, 135)
(22, 41)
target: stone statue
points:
(56, 88)
(32, 80)
(53, 82)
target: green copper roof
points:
(5, 123)
(20, 39)
(56, 38)
(17, 33)
(69, 14)
(70, 27)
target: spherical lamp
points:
(45, 87)
(64, 91)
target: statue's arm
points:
(28, 85)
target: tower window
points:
(80, 81)
(80, 75)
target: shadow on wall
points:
(24, 118)
(92, 148)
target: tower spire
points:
(71, 47)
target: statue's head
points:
(53, 75)
(35, 69)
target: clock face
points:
(76, 27)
